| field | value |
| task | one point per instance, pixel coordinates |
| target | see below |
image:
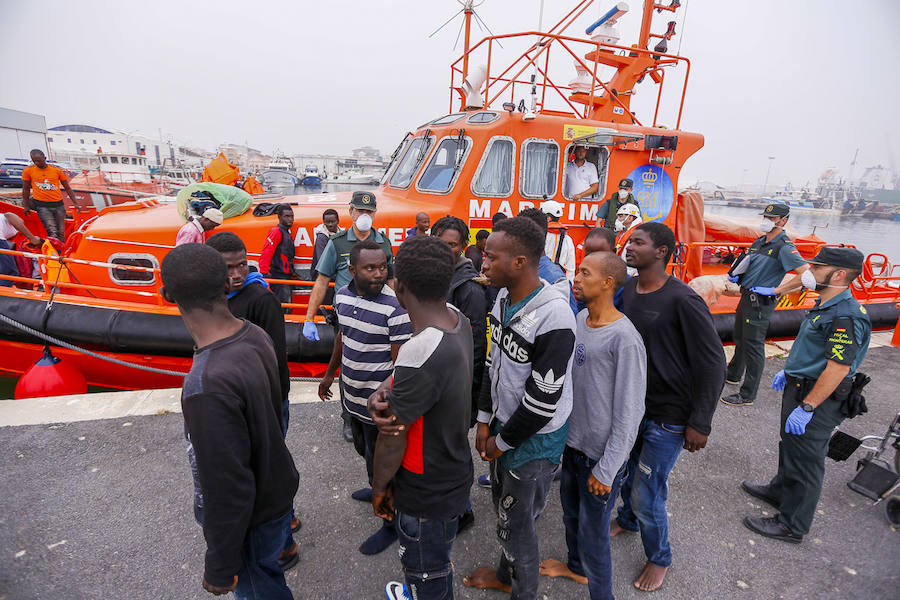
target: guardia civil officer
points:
(769, 258)
(817, 381)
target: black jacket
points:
(258, 305)
(470, 298)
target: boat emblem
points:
(648, 177)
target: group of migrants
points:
(597, 375)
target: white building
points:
(20, 133)
(81, 143)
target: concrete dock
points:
(96, 503)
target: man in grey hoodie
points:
(525, 401)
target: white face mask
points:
(623, 193)
(363, 222)
(808, 280)
(619, 225)
(766, 226)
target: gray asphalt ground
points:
(102, 509)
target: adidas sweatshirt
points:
(528, 368)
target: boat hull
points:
(311, 181)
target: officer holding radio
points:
(818, 381)
(759, 273)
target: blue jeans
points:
(519, 496)
(425, 555)
(586, 518)
(261, 578)
(646, 487)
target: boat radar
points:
(605, 26)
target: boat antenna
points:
(532, 109)
(468, 11)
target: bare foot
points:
(615, 529)
(555, 568)
(485, 579)
(651, 578)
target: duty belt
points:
(761, 299)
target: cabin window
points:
(112, 142)
(412, 160)
(81, 141)
(395, 157)
(494, 176)
(103, 160)
(446, 162)
(114, 160)
(129, 277)
(68, 140)
(480, 118)
(598, 158)
(537, 174)
(49, 139)
(448, 119)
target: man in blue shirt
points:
(762, 270)
(817, 381)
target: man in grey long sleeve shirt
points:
(609, 374)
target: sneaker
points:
(396, 591)
(465, 521)
(484, 481)
(289, 558)
(362, 495)
(736, 400)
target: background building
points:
(21, 132)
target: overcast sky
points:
(806, 81)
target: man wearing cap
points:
(609, 211)
(817, 379)
(581, 177)
(334, 263)
(761, 270)
(194, 231)
(559, 245)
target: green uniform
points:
(769, 262)
(335, 259)
(612, 207)
(838, 330)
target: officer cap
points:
(363, 200)
(776, 209)
(843, 257)
(626, 183)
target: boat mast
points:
(467, 10)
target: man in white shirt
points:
(558, 245)
(581, 177)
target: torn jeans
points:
(646, 487)
(519, 496)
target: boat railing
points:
(52, 278)
(601, 102)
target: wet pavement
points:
(102, 509)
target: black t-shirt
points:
(432, 395)
(260, 306)
(231, 401)
(685, 361)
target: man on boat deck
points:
(423, 222)
(194, 231)
(231, 402)
(373, 325)
(335, 264)
(525, 401)
(44, 181)
(818, 382)
(249, 298)
(685, 375)
(607, 213)
(276, 260)
(762, 270)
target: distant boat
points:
(357, 177)
(311, 176)
(279, 172)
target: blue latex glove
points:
(779, 381)
(797, 421)
(763, 291)
(733, 278)
(310, 332)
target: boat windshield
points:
(395, 156)
(412, 160)
(440, 174)
(495, 173)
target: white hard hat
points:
(214, 215)
(629, 209)
(552, 208)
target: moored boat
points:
(496, 151)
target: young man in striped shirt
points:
(372, 326)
